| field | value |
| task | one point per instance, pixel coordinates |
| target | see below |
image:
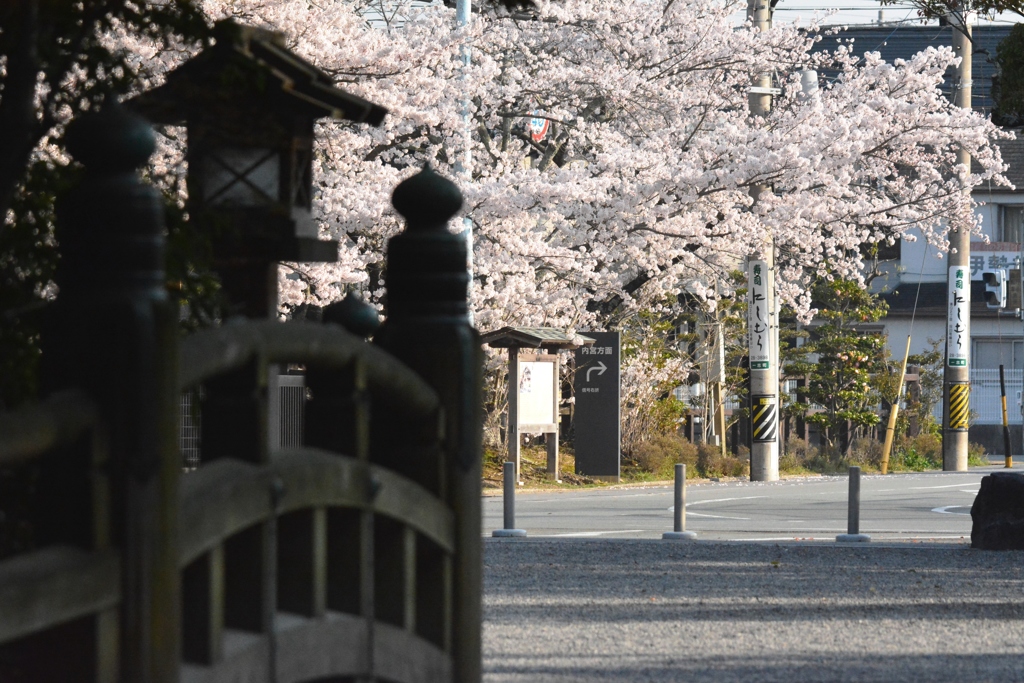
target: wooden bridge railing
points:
(355, 556)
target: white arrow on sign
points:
(600, 367)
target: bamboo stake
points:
(894, 410)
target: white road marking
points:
(672, 508)
(582, 534)
(697, 514)
(583, 498)
(948, 486)
(722, 500)
(945, 510)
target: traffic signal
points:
(995, 288)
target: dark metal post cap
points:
(427, 200)
(354, 314)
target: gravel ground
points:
(634, 610)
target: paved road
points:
(932, 506)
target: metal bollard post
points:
(509, 500)
(679, 513)
(853, 534)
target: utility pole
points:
(957, 368)
(762, 319)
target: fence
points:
(986, 403)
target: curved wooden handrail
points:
(314, 478)
(308, 650)
(213, 351)
(226, 496)
(54, 585)
(27, 433)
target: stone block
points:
(998, 513)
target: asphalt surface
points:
(593, 594)
(932, 506)
(561, 610)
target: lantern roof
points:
(256, 61)
(535, 337)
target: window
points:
(1011, 223)
(989, 353)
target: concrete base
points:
(679, 536)
(852, 538)
(508, 533)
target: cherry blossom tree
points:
(640, 188)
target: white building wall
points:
(927, 330)
(924, 329)
(920, 261)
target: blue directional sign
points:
(596, 418)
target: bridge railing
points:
(319, 543)
(354, 554)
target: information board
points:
(537, 398)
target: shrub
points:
(866, 454)
(711, 463)
(916, 453)
(797, 456)
(976, 455)
(659, 455)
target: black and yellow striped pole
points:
(1007, 452)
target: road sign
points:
(597, 429)
(538, 127)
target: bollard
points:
(679, 513)
(853, 534)
(509, 500)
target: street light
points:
(249, 105)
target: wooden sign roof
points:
(535, 338)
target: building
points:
(914, 279)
